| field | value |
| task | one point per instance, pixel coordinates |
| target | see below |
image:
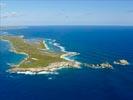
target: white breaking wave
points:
(36, 73)
(59, 46)
(27, 73)
(44, 42)
(67, 55)
(54, 43)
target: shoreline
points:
(12, 49)
(46, 46)
(50, 69)
(53, 67)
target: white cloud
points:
(9, 15)
(5, 15)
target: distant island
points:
(12, 27)
(38, 57)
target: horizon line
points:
(62, 25)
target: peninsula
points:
(38, 57)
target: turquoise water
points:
(96, 44)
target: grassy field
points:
(38, 56)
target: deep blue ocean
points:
(95, 44)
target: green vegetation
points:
(38, 56)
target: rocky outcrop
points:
(121, 62)
(102, 65)
(50, 68)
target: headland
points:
(38, 57)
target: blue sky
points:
(66, 12)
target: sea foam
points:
(36, 73)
